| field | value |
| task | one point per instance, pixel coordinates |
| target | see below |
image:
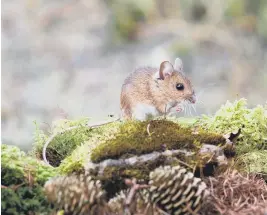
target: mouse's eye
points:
(179, 86)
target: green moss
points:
(232, 116)
(137, 138)
(22, 180)
(184, 121)
(64, 143)
(17, 166)
(255, 161)
(24, 200)
(80, 156)
(74, 162)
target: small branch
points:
(134, 188)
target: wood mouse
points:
(151, 92)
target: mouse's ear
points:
(178, 65)
(166, 69)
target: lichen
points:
(236, 115)
(136, 138)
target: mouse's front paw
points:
(179, 109)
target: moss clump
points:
(63, 143)
(22, 180)
(136, 138)
(24, 200)
(17, 166)
(234, 116)
(254, 162)
(66, 139)
(79, 156)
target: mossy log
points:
(140, 147)
(136, 138)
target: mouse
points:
(151, 92)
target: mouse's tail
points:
(93, 125)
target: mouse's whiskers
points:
(194, 108)
(185, 108)
(189, 108)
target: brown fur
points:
(142, 87)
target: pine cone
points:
(116, 204)
(176, 191)
(76, 194)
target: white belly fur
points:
(144, 112)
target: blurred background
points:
(69, 58)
